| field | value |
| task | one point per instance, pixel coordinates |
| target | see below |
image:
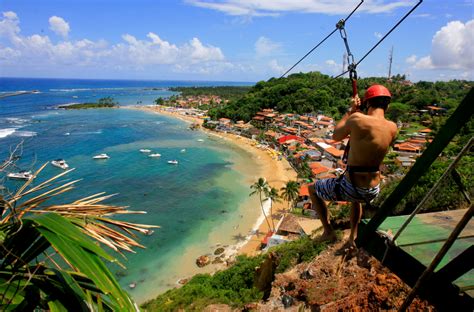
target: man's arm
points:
(342, 129)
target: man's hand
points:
(355, 104)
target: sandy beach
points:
(276, 172)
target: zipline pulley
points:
(351, 68)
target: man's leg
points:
(320, 206)
(356, 214)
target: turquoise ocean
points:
(198, 204)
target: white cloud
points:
(264, 46)
(9, 25)
(277, 7)
(275, 67)
(59, 26)
(411, 59)
(452, 48)
(197, 52)
(38, 51)
(332, 67)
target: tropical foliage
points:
(314, 92)
(50, 259)
(226, 92)
(290, 192)
(235, 285)
(106, 102)
(274, 197)
(261, 187)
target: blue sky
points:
(230, 40)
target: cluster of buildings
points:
(306, 142)
(195, 101)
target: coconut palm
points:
(260, 187)
(50, 258)
(272, 194)
(290, 192)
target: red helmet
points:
(375, 91)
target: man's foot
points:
(327, 237)
(349, 249)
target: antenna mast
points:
(390, 59)
(344, 62)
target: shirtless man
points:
(370, 137)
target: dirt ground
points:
(334, 281)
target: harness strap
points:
(352, 169)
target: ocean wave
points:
(6, 132)
(16, 121)
(25, 133)
(86, 132)
(87, 89)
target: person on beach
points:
(370, 137)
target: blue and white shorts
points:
(326, 190)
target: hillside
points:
(337, 281)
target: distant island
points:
(106, 102)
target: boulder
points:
(202, 261)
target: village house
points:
(291, 227)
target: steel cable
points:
(322, 41)
(383, 38)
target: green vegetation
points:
(235, 285)
(106, 102)
(261, 187)
(314, 92)
(290, 193)
(50, 256)
(225, 92)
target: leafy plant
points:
(261, 187)
(50, 258)
(290, 192)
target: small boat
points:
(200, 140)
(145, 150)
(22, 175)
(183, 150)
(132, 285)
(172, 162)
(154, 155)
(101, 156)
(149, 232)
(67, 133)
(60, 163)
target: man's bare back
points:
(371, 136)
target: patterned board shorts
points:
(326, 189)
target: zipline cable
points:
(382, 39)
(322, 41)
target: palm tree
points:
(290, 192)
(50, 256)
(272, 194)
(259, 187)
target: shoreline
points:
(276, 172)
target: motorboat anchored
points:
(154, 155)
(101, 156)
(172, 162)
(22, 175)
(145, 150)
(60, 163)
